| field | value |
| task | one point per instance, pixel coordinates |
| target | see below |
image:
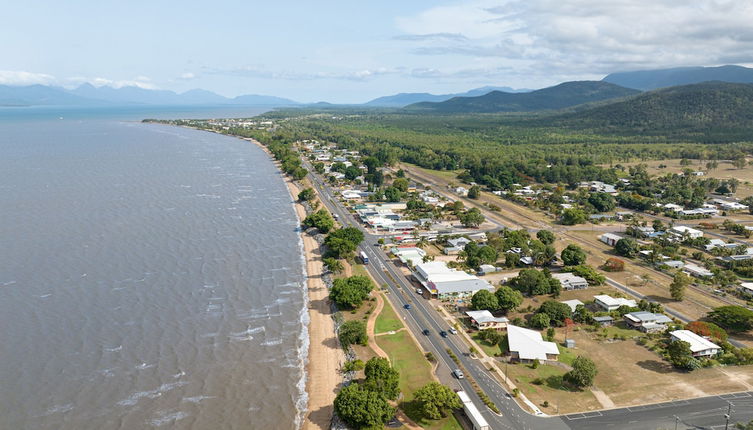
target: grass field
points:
(387, 320)
(551, 389)
(489, 349)
(415, 372)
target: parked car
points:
(419, 291)
(458, 373)
(407, 306)
(425, 332)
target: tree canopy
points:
(362, 408)
(351, 292)
(437, 400)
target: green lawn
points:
(567, 355)
(415, 372)
(387, 320)
(489, 349)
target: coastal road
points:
(702, 413)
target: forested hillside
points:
(557, 97)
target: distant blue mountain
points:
(40, 95)
(662, 78)
(88, 94)
(405, 99)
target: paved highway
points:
(704, 413)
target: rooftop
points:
(697, 343)
(485, 317)
(528, 344)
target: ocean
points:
(150, 276)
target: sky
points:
(353, 51)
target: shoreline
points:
(322, 379)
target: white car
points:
(458, 373)
(419, 291)
(452, 330)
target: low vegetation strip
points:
(387, 320)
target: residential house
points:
(527, 345)
(572, 303)
(484, 320)
(610, 238)
(604, 321)
(570, 281)
(647, 322)
(644, 231)
(697, 271)
(746, 289)
(456, 245)
(683, 231)
(609, 303)
(485, 269)
(462, 191)
(674, 264)
(699, 346)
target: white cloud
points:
(187, 76)
(139, 81)
(20, 78)
(264, 73)
(581, 37)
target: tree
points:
(573, 255)
(484, 300)
(507, 298)
(546, 237)
(351, 292)
(362, 408)
(472, 218)
(678, 285)
(306, 194)
(401, 184)
(573, 216)
(583, 373)
(353, 332)
(437, 400)
(703, 328)
(321, 220)
(733, 318)
(626, 247)
(540, 321)
(557, 311)
(392, 194)
(333, 265)
(343, 242)
(534, 282)
(602, 202)
(382, 378)
(588, 273)
(512, 260)
(614, 265)
(681, 356)
(474, 192)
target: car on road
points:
(443, 333)
(407, 306)
(452, 330)
(458, 373)
(425, 332)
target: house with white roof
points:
(570, 281)
(683, 231)
(746, 289)
(610, 238)
(697, 271)
(527, 345)
(609, 303)
(699, 346)
(409, 255)
(572, 303)
(647, 322)
(484, 320)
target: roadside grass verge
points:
(387, 320)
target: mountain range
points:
(89, 95)
(560, 96)
(405, 99)
(652, 79)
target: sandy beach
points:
(325, 356)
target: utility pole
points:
(727, 415)
(677, 420)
